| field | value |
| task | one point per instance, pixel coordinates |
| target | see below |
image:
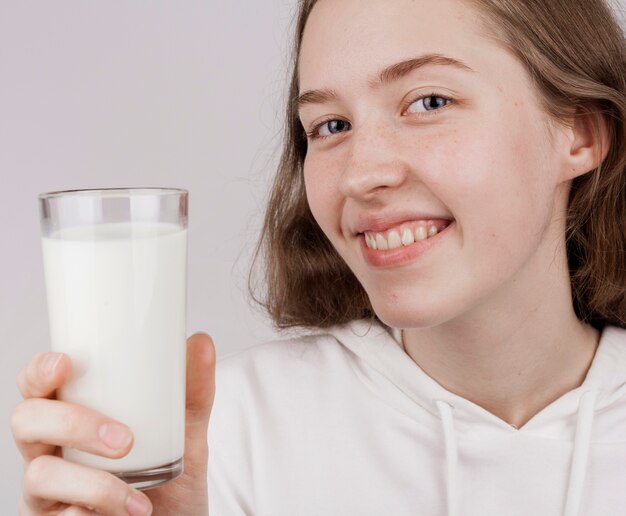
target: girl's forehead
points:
(362, 37)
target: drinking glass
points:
(115, 263)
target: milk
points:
(117, 303)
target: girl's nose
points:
(373, 166)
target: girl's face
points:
(416, 119)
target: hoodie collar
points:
(381, 348)
(603, 383)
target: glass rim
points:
(121, 191)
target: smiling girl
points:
(449, 218)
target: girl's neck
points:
(513, 369)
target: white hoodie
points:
(346, 424)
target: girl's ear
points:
(588, 144)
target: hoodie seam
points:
(385, 402)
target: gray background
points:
(171, 93)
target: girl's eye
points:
(329, 128)
(426, 104)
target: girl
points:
(449, 217)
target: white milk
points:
(117, 304)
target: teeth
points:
(398, 238)
(407, 237)
(394, 240)
(420, 234)
(381, 243)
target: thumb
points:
(200, 389)
(188, 494)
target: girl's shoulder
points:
(283, 359)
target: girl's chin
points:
(407, 318)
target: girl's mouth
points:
(404, 243)
(404, 234)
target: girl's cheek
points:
(320, 191)
(321, 174)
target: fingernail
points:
(137, 505)
(114, 435)
(50, 362)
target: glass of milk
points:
(115, 264)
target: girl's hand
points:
(41, 425)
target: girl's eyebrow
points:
(389, 74)
(397, 71)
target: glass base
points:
(154, 477)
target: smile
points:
(404, 235)
(403, 244)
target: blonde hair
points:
(575, 53)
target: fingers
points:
(40, 425)
(50, 480)
(77, 511)
(45, 373)
(200, 377)
(200, 396)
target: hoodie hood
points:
(569, 418)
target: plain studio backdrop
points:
(170, 93)
(167, 93)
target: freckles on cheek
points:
(439, 160)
